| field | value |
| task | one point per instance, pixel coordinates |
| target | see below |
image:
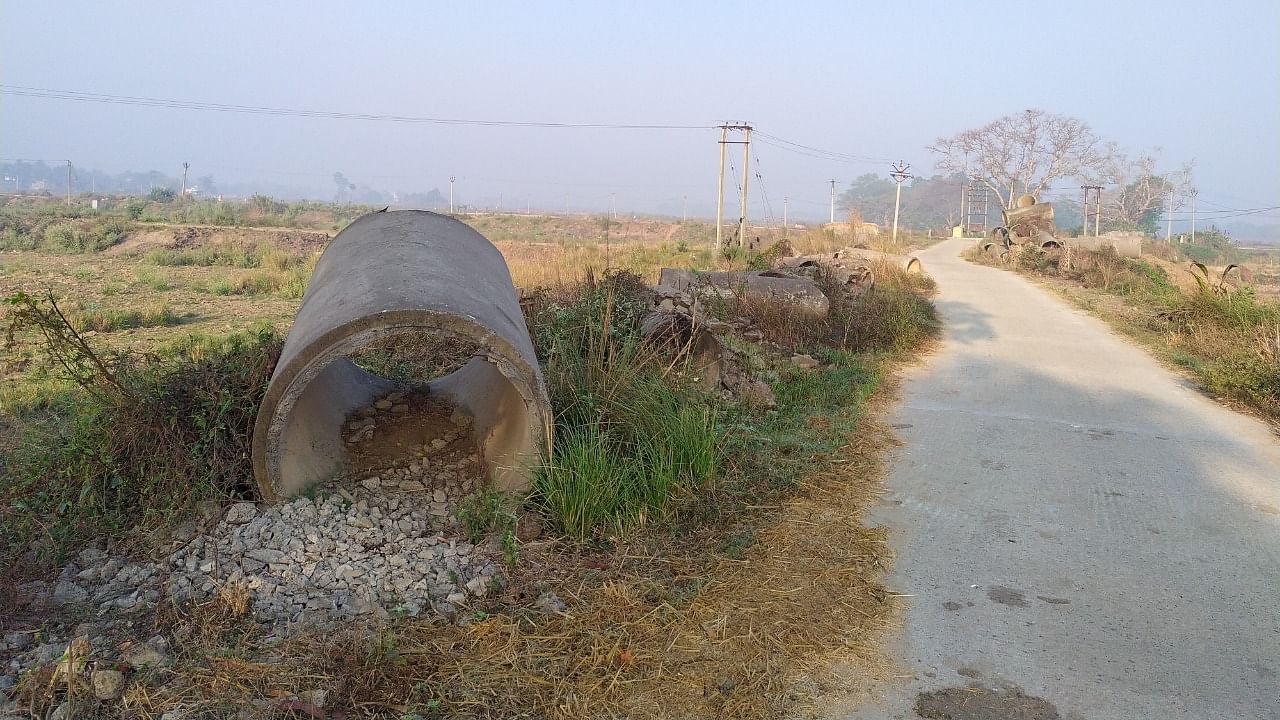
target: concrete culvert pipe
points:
(393, 283)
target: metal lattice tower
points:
(977, 202)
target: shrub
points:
(143, 437)
(1245, 375)
(161, 195)
(630, 435)
(157, 281)
(222, 254)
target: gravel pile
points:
(383, 539)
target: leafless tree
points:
(1022, 154)
(1136, 187)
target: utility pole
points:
(1168, 232)
(1084, 211)
(451, 179)
(746, 173)
(185, 165)
(785, 199)
(1097, 208)
(684, 214)
(1194, 192)
(833, 200)
(899, 174)
(724, 140)
(613, 206)
(68, 182)
(724, 131)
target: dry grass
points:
(744, 621)
(659, 632)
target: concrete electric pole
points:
(185, 167)
(1168, 232)
(746, 173)
(784, 215)
(451, 179)
(68, 182)
(899, 174)
(742, 218)
(1097, 209)
(833, 200)
(1194, 192)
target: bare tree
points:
(1138, 192)
(1022, 154)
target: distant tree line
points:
(50, 177)
(1033, 152)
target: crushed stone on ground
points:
(382, 540)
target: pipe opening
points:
(388, 398)
(413, 309)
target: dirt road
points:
(1075, 523)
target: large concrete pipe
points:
(1126, 244)
(414, 277)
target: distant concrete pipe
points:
(404, 274)
(1126, 244)
(853, 257)
(766, 285)
(908, 263)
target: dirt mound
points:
(187, 237)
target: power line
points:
(814, 151)
(79, 96)
(1186, 215)
(768, 207)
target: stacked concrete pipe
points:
(393, 274)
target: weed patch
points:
(139, 439)
(1224, 335)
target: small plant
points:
(157, 281)
(485, 513)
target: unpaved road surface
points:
(1081, 534)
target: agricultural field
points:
(139, 350)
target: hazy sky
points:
(1199, 80)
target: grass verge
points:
(127, 441)
(710, 552)
(1219, 331)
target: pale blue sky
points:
(1199, 80)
